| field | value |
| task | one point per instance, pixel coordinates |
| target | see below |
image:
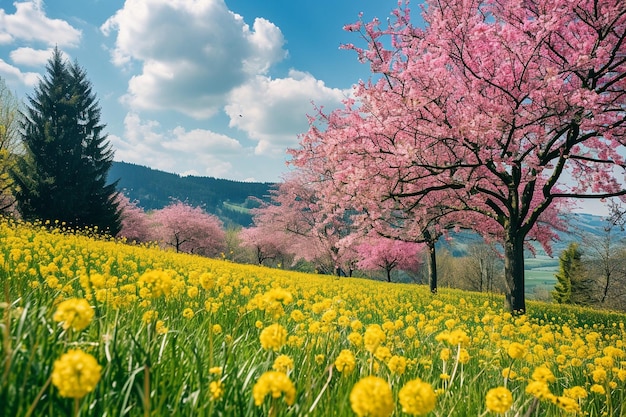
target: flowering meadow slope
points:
(93, 327)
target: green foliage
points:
(62, 174)
(9, 111)
(573, 285)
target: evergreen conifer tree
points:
(62, 175)
(573, 286)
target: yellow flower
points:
(275, 384)
(445, 354)
(508, 373)
(576, 392)
(355, 339)
(516, 350)
(499, 400)
(283, 363)
(345, 362)
(273, 337)
(160, 327)
(538, 389)
(543, 374)
(75, 374)
(188, 313)
(216, 370)
(382, 353)
(597, 389)
(216, 389)
(207, 280)
(149, 316)
(319, 359)
(598, 375)
(216, 329)
(568, 405)
(155, 283)
(75, 313)
(397, 364)
(297, 316)
(371, 397)
(417, 397)
(374, 336)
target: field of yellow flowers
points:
(94, 327)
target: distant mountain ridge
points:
(154, 189)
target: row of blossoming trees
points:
(283, 233)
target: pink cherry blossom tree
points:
(308, 230)
(134, 221)
(497, 113)
(380, 253)
(266, 242)
(189, 229)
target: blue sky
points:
(205, 87)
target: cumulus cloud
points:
(30, 23)
(274, 111)
(192, 53)
(189, 152)
(14, 76)
(31, 57)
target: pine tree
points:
(573, 286)
(62, 175)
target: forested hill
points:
(154, 189)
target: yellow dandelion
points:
(75, 374)
(345, 362)
(417, 397)
(597, 389)
(283, 363)
(499, 400)
(276, 384)
(355, 339)
(216, 389)
(372, 397)
(543, 374)
(516, 350)
(397, 364)
(75, 313)
(445, 354)
(374, 336)
(188, 313)
(598, 375)
(216, 370)
(569, 405)
(539, 389)
(160, 327)
(576, 392)
(273, 337)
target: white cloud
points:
(30, 23)
(192, 53)
(274, 111)
(31, 57)
(15, 77)
(193, 152)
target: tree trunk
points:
(515, 301)
(432, 267)
(605, 292)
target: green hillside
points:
(154, 189)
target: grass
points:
(181, 335)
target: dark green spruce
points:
(62, 175)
